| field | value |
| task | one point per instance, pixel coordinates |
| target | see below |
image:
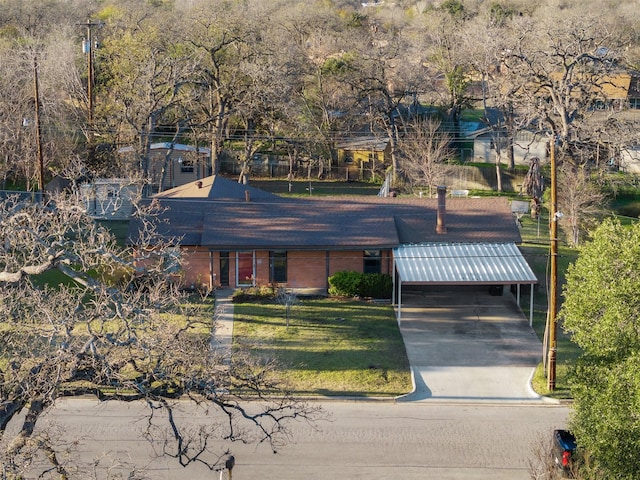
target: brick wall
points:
(196, 269)
(305, 269)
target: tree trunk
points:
(498, 175)
(218, 126)
(511, 155)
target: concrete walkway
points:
(223, 322)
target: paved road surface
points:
(364, 440)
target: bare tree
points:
(448, 57)
(267, 108)
(37, 72)
(484, 39)
(121, 327)
(425, 149)
(323, 103)
(562, 69)
(221, 37)
(581, 201)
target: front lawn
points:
(331, 347)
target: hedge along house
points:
(234, 235)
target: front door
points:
(245, 269)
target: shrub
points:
(263, 293)
(345, 283)
(352, 284)
(376, 285)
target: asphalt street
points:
(361, 440)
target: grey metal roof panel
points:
(490, 263)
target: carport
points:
(460, 264)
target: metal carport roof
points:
(460, 264)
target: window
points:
(372, 261)
(278, 266)
(186, 166)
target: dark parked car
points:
(564, 447)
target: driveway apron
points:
(466, 345)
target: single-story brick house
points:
(236, 235)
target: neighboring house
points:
(526, 145)
(629, 160)
(172, 165)
(109, 198)
(620, 90)
(364, 157)
(238, 236)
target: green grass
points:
(331, 347)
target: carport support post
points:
(531, 307)
(393, 281)
(399, 302)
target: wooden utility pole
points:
(87, 48)
(553, 287)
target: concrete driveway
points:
(467, 345)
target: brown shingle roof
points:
(335, 222)
(216, 188)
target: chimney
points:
(442, 206)
(247, 197)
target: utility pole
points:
(553, 287)
(87, 48)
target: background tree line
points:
(296, 77)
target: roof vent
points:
(199, 184)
